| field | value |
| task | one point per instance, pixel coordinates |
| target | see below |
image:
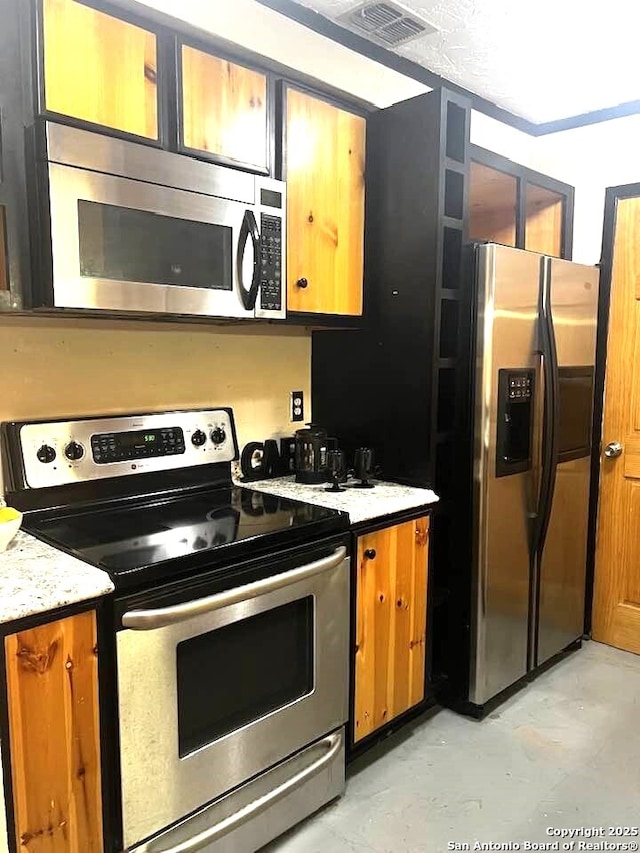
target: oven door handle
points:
(148, 620)
(332, 743)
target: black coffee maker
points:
(312, 446)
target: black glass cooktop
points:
(136, 542)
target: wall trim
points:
(628, 108)
(324, 26)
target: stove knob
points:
(218, 435)
(74, 451)
(46, 454)
(198, 438)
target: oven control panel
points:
(137, 444)
(55, 453)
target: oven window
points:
(575, 398)
(124, 244)
(236, 674)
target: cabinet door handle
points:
(302, 282)
(370, 554)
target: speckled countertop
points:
(361, 504)
(35, 578)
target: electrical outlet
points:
(297, 406)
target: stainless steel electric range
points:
(231, 621)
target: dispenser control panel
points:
(520, 385)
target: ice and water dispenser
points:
(516, 396)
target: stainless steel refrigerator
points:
(535, 340)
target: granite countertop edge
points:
(36, 578)
(362, 505)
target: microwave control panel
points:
(270, 262)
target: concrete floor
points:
(563, 752)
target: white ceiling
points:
(542, 61)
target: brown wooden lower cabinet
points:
(391, 616)
(52, 689)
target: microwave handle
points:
(249, 228)
(148, 620)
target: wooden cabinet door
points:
(52, 689)
(224, 109)
(99, 69)
(325, 151)
(391, 621)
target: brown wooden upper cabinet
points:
(99, 68)
(224, 109)
(513, 205)
(324, 169)
(391, 623)
(493, 205)
(544, 213)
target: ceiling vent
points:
(385, 23)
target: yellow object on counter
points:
(10, 521)
(8, 513)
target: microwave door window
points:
(124, 244)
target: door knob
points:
(613, 449)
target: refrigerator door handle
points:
(550, 416)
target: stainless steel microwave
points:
(130, 228)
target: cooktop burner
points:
(199, 529)
(150, 497)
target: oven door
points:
(218, 689)
(127, 245)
